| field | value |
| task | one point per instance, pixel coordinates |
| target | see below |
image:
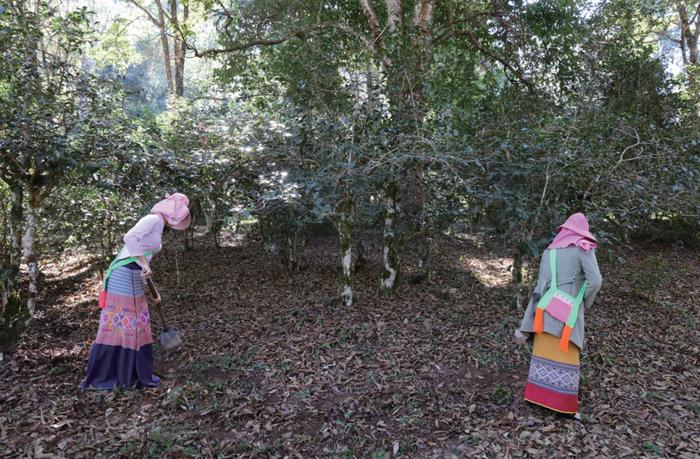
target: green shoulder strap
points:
(118, 264)
(573, 315)
(547, 297)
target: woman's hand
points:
(146, 272)
(145, 267)
(519, 337)
(156, 299)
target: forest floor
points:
(272, 368)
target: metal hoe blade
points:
(169, 337)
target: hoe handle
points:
(152, 287)
(154, 292)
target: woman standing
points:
(122, 355)
(568, 282)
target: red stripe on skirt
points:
(564, 403)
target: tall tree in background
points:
(689, 25)
(168, 20)
(677, 21)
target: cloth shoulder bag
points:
(558, 304)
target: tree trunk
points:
(14, 257)
(216, 223)
(166, 51)
(16, 216)
(391, 263)
(518, 279)
(409, 51)
(360, 257)
(209, 220)
(210, 212)
(689, 36)
(346, 295)
(179, 48)
(423, 256)
(5, 265)
(293, 247)
(345, 233)
(189, 233)
(414, 212)
(288, 255)
(107, 240)
(34, 202)
(270, 238)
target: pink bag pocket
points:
(559, 308)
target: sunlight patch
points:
(492, 272)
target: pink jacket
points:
(145, 236)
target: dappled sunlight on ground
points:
(492, 272)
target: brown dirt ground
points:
(273, 368)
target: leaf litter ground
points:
(272, 367)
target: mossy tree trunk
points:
(14, 257)
(345, 232)
(34, 205)
(391, 256)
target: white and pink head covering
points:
(574, 231)
(174, 209)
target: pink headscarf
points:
(174, 210)
(574, 231)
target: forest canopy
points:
(406, 119)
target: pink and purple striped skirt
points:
(122, 354)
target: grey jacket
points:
(574, 266)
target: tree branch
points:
(249, 44)
(423, 12)
(371, 16)
(488, 52)
(148, 13)
(394, 14)
(695, 17)
(371, 45)
(346, 28)
(449, 32)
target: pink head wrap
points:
(174, 210)
(574, 231)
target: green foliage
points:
(46, 102)
(114, 49)
(612, 146)
(509, 121)
(204, 155)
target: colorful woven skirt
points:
(122, 355)
(554, 375)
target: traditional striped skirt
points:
(554, 375)
(122, 354)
